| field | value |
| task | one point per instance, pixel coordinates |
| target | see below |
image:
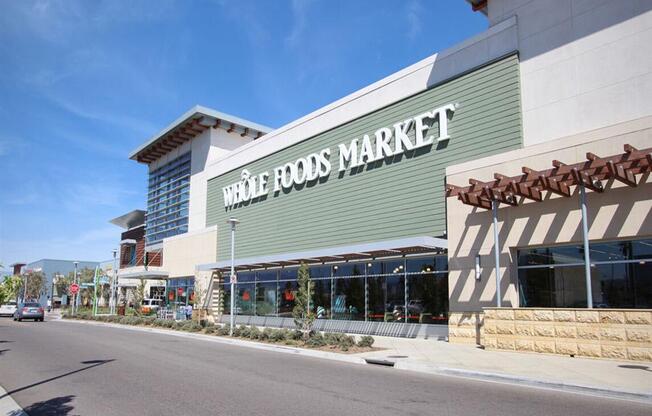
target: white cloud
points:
(413, 15)
(299, 12)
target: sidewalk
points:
(616, 378)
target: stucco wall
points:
(619, 212)
(585, 64)
(183, 252)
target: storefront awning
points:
(143, 274)
(363, 251)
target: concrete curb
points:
(238, 342)
(524, 381)
(405, 365)
(8, 405)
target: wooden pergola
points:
(531, 185)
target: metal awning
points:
(363, 251)
(144, 274)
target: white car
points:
(8, 309)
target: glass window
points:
(266, 276)
(266, 298)
(288, 274)
(321, 298)
(556, 287)
(286, 297)
(245, 299)
(245, 276)
(428, 298)
(226, 298)
(348, 300)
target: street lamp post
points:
(233, 223)
(75, 295)
(114, 283)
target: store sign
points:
(358, 152)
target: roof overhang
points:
(141, 273)
(355, 252)
(130, 220)
(192, 123)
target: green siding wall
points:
(385, 201)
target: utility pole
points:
(74, 299)
(114, 284)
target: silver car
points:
(29, 310)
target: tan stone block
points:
(587, 316)
(464, 332)
(543, 315)
(639, 335)
(564, 316)
(523, 345)
(523, 314)
(505, 328)
(544, 330)
(466, 320)
(489, 314)
(585, 332)
(612, 317)
(505, 344)
(639, 354)
(567, 348)
(454, 318)
(610, 351)
(612, 334)
(589, 350)
(566, 331)
(505, 314)
(524, 329)
(544, 346)
(490, 343)
(638, 318)
(490, 328)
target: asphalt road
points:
(75, 369)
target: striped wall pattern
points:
(388, 199)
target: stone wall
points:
(624, 334)
(465, 327)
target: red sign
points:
(180, 291)
(74, 288)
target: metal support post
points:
(587, 257)
(494, 209)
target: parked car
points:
(8, 309)
(150, 305)
(29, 310)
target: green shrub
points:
(193, 327)
(224, 330)
(296, 335)
(277, 335)
(244, 331)
(168, 323)
(158, 322)
(254, 332)
(267, 333)
(211, 329)
(331, 338)
(149, 320)
(366, 342)
(346, 342)
(316, 339)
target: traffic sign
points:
(74, 288)
(234, 278)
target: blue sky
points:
(82, 83)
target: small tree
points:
(9, 288)
(303, 316)
(35, 285)
(139, 295)
(200, 294)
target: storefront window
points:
(348, 301)
(428, 290)
(226, 298)
(266, 298)
(620, 277)
(287, 297)
(179, 292)
(245, 300)
(321, 298)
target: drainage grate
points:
(379, 362)
(397, 356)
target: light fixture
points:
(477, 267)
(400, 267)
(335, 267)
(369, 264)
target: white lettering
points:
(300, 171)
(366, 151)
(325, 168)
(420, 127)
(348, 156)
(383, 137)
(401, 138)
(442, 115)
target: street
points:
(70, 368)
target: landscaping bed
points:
(328, 341)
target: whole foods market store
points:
(363, 204)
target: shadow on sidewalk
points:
(55, 406)
(635, 367)
(93, 363)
